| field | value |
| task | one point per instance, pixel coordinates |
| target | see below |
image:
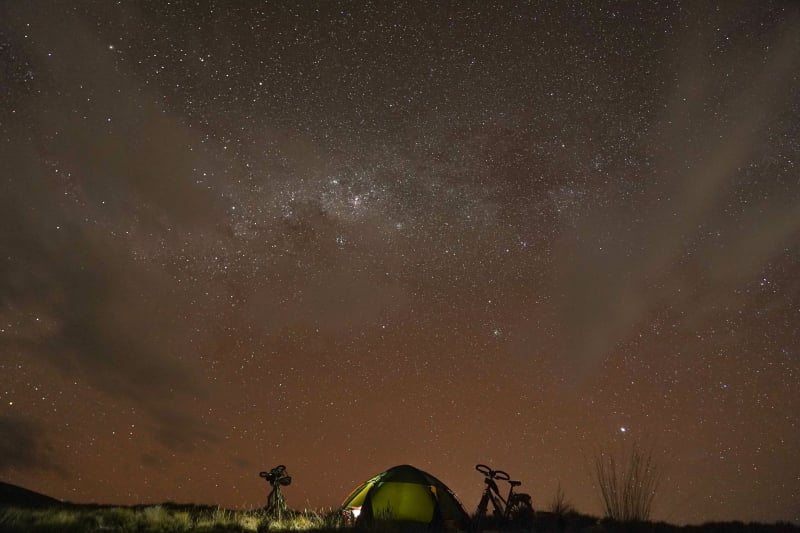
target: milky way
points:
(346, 236)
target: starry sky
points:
(344, 236)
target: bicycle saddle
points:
(514, 483)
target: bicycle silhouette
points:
(276, 502)
(515, 510)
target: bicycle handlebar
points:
(277, 473)
(483, 469)
(492, 474)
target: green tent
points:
(405, 494)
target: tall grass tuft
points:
(559, 505)
(628, 483)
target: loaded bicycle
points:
(515, 511)
(276, 502)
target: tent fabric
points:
(407, 494)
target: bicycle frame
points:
(277, 477)
(503, 507)
(492, 492)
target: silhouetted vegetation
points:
(559, 505)
(628, 482)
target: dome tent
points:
(406, 494)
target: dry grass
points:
(559, 505)
(154, 518)
(628, 483)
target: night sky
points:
(344, 236)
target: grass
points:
(155, 518)
(559, 505)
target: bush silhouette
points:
(628, 482)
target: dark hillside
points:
(13, 495)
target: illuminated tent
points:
(406, 494)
